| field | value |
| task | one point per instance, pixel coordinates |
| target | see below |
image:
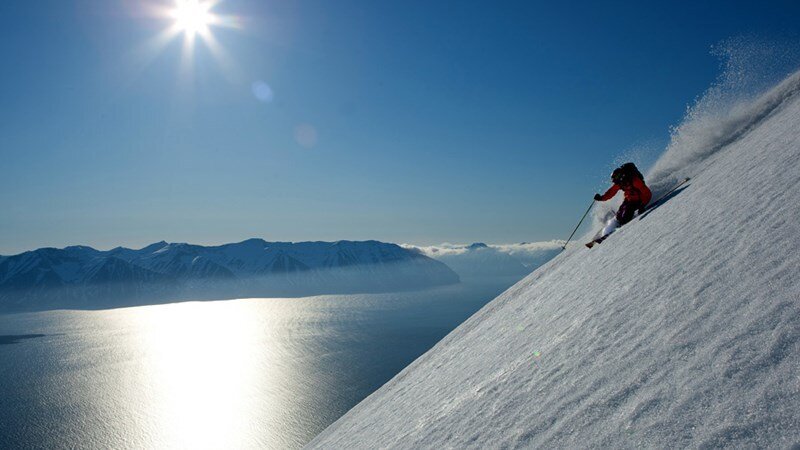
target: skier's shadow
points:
(662, 201)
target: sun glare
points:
(192, 16)
(194, 20)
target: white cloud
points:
(492, 259)
(522, 249)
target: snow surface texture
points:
(680, 330)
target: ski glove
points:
(598, 197)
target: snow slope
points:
(681, 330)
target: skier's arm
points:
(611, 192)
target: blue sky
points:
(433, 121)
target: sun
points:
(197, 22)
(192, 16)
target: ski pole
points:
(577, 226)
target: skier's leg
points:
(623, 216)
(626, 212)
(610, 227)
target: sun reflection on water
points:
(252, 373)
(203, 372)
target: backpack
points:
(631, 170)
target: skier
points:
(637, 195)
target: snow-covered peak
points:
(250, 268)
(252, 243)
(476, 246)
(153, 247)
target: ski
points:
(597, 241)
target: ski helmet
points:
(620, 175)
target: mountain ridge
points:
(50, 277)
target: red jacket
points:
(637, 192)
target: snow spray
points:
(741, 97)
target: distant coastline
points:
(81, 277)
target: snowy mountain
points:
(482, 260)
(681, 330)
(82, 277)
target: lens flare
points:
(305, 135)
(262, 91)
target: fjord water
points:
(266, 373)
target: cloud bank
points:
(481, 260)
